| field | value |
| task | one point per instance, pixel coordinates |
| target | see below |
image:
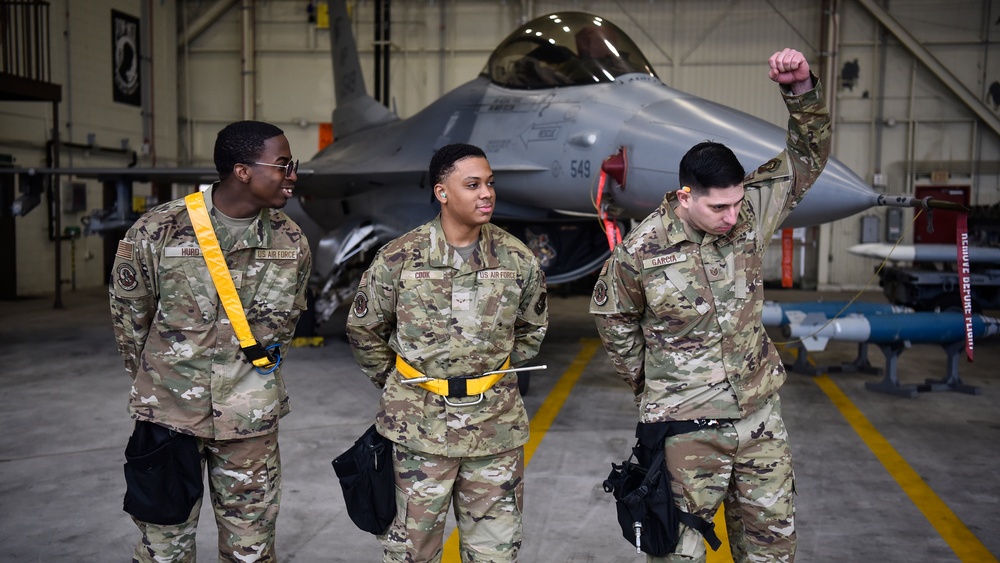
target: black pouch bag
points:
(365, 474)
(162, 474)
(649, 517)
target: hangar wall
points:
(900, 120)
(894, 117)
(96, 130)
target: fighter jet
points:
(563, 98)
(581, 133)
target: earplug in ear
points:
(444, 195)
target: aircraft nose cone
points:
(672, 126)
(837, 193)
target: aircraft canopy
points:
(565, 49)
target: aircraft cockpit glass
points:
(565, 49)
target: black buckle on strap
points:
(256, 352)
(458, 387)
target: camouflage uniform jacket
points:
(174, 335)
(448, 317)
(679, 311)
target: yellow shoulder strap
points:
(223, 280)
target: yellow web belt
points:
(258, 355)
(454, 386)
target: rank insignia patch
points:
(540, 305)
(769, 166)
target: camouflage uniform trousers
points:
(244, 479)
(487, 491)
(748, 466)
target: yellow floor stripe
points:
(541, 422)
(723, 555)
(963, 542)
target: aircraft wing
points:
(344, 168)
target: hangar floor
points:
(880, 478)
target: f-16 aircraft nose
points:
(660, 133)
(838, 193)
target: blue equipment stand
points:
(951, 382)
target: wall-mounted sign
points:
(125, 58)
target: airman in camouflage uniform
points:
(678, 306)
(188, 372)
(454, 297)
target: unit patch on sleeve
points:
(126, 277)
(360, 304)
(600, 293)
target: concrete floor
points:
(62, 407)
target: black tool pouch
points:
(162, 474)
(365, 475)
(647, 512)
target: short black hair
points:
(241, 142)
(710, 165)
(443, 161)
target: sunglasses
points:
(291, 168)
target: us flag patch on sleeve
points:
(124, 249)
